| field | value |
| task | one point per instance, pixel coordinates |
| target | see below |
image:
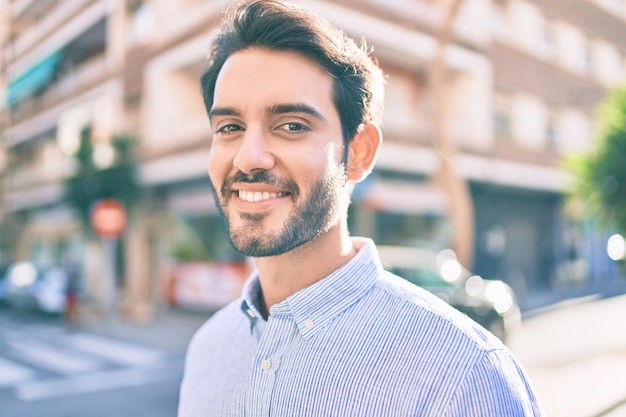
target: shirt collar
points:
(316, 305)
(250, 295)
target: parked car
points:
(34, 287)
(3, 292)
(491, 303)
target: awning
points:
(34, 79)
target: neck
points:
(283, 275)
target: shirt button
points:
(251, 313)
(266, 364)
(308, 323)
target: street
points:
(575, 354)
(48, 368)
(576, 357)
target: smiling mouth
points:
(256, 196)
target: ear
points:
(362, 152)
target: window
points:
(499, 19)
(502, 116)
(588, 64)
(142, 21)
(548, 37)
(552, 130)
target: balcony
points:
(77, 67)
(519, 70)
(173, 116)
(48, 22)
(23, 199)
(39, 163)
(38, 174)
(31, 9)
(589, 17)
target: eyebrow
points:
(296, 108)
(223, 111)
(275, 109)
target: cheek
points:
(218, 166)
(334, 157)
(322, 165)
(318, 163)
(321, 161)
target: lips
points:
(258, 187)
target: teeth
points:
(256, 196)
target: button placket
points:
(267, 363)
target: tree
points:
(90, 183)
(598, 189)
(460, 205)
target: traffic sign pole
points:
(109, 220)
(109, 276)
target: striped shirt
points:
(360, 342)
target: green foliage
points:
(90, 184)
(187, 245)
(188, 251)
(599, 188)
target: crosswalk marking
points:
(93, 382)
(52, 363)
(11, 373)
(114, 351)
(52, 358)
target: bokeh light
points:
(103, 155)
(451, 270)
(23, 274)
(497, 293)
(474, 285)
(616, 247)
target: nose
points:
(254, 153)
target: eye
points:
(293, 127)
(228, 128)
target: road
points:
(47, 369)
(576, 357)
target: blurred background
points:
(504, 141)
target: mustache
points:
(260, 177)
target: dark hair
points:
(358, 81)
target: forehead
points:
(263, 77)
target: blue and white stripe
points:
(360, 342)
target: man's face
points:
(275, 161)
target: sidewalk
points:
(576, 357)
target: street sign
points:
(108, 218)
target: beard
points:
(308, 219)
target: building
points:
(552, 62)
(523, 78)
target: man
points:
(321, 329)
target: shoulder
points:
(415, 306)
(211, 360)
(496, 385)
(224, 323)
(479, 370)
(215, 339)
(424, 331)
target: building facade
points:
(522, 80)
